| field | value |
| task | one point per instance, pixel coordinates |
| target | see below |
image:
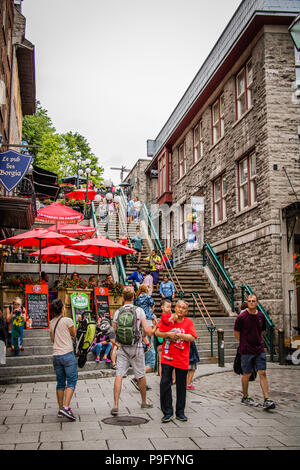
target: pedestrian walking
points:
(154, 263)
(137, 277)
(130, 210)
(167, 289)
(248, 330)
(62, 333)
(101, 212)
(179, 363)
(148, 281)
(137, 207)
(145, 301)
(127, 322)
(137, 245)
(124, 241)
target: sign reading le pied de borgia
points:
(13, 168)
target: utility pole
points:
(122, 169)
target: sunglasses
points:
(252, 301)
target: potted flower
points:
(14, 286)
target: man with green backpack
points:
(127, 323)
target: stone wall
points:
(255, 238)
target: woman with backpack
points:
(62, 333)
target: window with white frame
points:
(244, 84)
(170, 172)
(162, 173)
(181, 160)
(247, 182)
(218, 111)
(198, 142)
(219, 199)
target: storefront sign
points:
(79, 303)
(196, 224)
(13, 168)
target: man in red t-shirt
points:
(180, 362)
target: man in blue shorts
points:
(248, 329)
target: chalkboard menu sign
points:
(102, 302)
(37, 305)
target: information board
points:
(80, 302)
(37, 305)
(101, 297)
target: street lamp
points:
(294, 31)
(78, 162)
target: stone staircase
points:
(34, 364)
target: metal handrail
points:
(211, 328)
(119, 261)
(219, 272)
(268, 338)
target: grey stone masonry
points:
(254, 238)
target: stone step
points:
(42, 369)
(82, 375)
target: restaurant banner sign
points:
(13, 168)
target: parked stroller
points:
(84, 338)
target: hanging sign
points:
(13, 168)
(102, 302)
(196, 225)
(79, 303)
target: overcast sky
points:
(114, 70)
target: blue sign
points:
(13, 168)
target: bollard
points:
(281, 347)
(221, 344)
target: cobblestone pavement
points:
(217, 420)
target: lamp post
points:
(88, 171)
(294, 31)
(78, 162)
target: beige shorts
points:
(131, 356)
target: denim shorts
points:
(247, 361)
(65, 367)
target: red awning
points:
(73, 230)
(57, 212)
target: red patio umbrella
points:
(81, 194)
(73, 230)
(64, 255)
(38, 237)
(101, 246)
(57, 212)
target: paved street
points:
(217, 420)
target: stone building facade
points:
(234, 141)
(17, 73)
(140, 185)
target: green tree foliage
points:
(55, 152)
(74, 143)
(35, 126)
